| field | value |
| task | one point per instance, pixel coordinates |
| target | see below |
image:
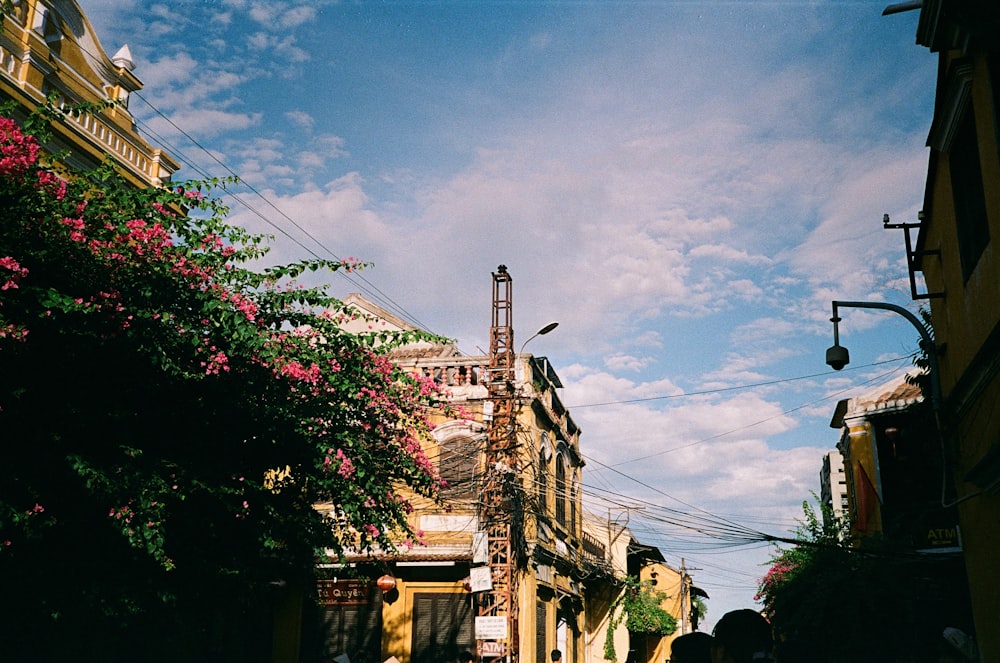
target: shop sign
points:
(491, 649)
(344, 592)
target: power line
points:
(761, 421)
(365, 286)
(371, 288)
(751, 385)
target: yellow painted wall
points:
(963, 321)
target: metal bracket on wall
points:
(913, 257)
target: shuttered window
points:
(457, 464)
(442, 627)
(541, 620)
(353, 630)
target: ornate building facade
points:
(49, 51)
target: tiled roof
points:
(894, 395)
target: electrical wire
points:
(370, 289)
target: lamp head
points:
(547, 328)
(837, 357)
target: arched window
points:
(542, 474)
(561, 489)
(542, 484)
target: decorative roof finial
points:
(123, 58)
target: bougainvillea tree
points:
(169, 416)
(840, 601)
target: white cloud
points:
(203, 122)
(281, 16)
(624, 362)
(712, 448)
(301, 119)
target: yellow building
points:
(48, 49)
(676, 588)
(625, 558)
(427, 608)
(960, 261)
(892, 465)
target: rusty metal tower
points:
(499, 605)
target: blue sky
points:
(684, 186)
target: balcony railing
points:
(593, 550)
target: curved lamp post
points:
(541, 332)
(838, 357)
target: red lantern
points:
(386, 583)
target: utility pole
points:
(687, 598)
(497, 618)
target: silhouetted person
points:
(465, 657)
(742, 636)
(691, 648)
(556, 656)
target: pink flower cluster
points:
(244, 304)
(52, 183)
(11, 330)
(192, 194)
(16, 332)
(18, 153)
(779, 573)
(124, 514)
(297, 371)
(76, 227)
(144, 237)
(17, 272)
(345, 467)
(217, 362)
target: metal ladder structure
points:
(501, 475)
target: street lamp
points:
(838, 357)
(541, 332)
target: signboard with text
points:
(344, 592)
(490, 649)
(491, 628)
(480, 579)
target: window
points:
(543, 484)
(353, 628)
(442, 627)
(967, 191)
(541, 624)
(457, 461)
(561, 489)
